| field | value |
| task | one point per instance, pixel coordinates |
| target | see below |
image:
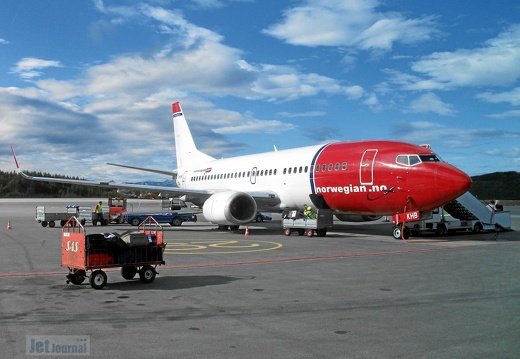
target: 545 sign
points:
(72, 246)
(406, 217)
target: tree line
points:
(497, 185)
(12, 185)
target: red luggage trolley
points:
(81, 253)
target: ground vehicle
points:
(81, 253)
(50, 215)
(116, 209)
(441, 222)
(296, 221)
(262, 216)
(172, 217)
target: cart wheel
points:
(309, 233)
(98, 279)
(76, 277)
(322, 232)
(147, 274)
(44, 224)
(287, 231)
(62, 222)
(300, 231)
(94, 222)
(128, 272)
(83, 222)
(135, 221)
(52, 224)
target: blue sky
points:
(83, 83)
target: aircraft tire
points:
(396, 232)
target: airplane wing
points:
(168, 173)
(263, 199)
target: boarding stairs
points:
(468, 207)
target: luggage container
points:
(82, 253)
(295, 221)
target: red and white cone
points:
(247, 231)
(9, 225)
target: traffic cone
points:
(9, 225)
(247, 231)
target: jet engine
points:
(230, 208)
(356, 218)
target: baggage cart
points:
(295, 221)
(135, 252)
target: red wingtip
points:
(14, 156)
(176, 107)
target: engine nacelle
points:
(230, 208)
(356, 218)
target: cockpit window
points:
(412, 160)
(402, 159)
(429, 158)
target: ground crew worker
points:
(99, 210)
(308, 211)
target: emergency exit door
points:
(366, 167)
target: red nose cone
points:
(451, 182)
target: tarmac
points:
(356, 293)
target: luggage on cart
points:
(135, 252)
(136, 239)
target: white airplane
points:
(364, 179)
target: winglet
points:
(176, 109)
(15, 160)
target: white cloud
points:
(350, 23)
(494, 64)
(506, 114)
(3, 42)
(429, 102)
(256, 126)
(513, 97)
(27, 67)
(424, 131)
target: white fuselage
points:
(284, 172)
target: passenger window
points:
(330, 166)
(290, 169)
(344, 166)
(336, 167)
(323, 167)
(270, 172)
(301, 169)
(274, 172)
(317, 168)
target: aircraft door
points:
(183, 179)
(252, 177)
(366, 167)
